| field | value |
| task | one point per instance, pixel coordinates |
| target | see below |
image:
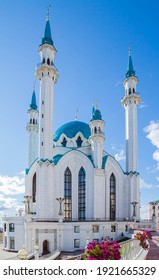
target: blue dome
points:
(71, 129)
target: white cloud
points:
(152, 131)
(12, 185)
(120, 156)
(144, 185)
(143, 105)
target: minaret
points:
(33, 130)
(46, 73)
(97, 137)
(130, 102)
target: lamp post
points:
(60, 213)
(60, 200)
(153, 214)
(134, 203)
(22, 254)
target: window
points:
(95, 130)
(42, 116)
(112, 197)
(11, 227)
(34, 188)
(95, 228)
(68, 195)
(33, 121)
(5, 242)
(129, 91)
(42, 129)
(5, 227)
(43, 102)
(82, 194)
(76, 229)
(12, 245)
(48, 61)
(79, 142)
(64, 142)
(42, 143)
(43, 60)
(76, 243)
(113, 228)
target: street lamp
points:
(22, 254)
(60, 200)
(153, 204)
(134, 203)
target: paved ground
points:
(7, 255)
(153, 253)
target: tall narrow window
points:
(82, 194)
(79, 141)
(68, 195)
(34, 188)
(112, 197)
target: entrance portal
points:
(45, 247)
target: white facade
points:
(75, 191)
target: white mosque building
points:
(74, 191)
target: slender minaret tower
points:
(33, 130)
(97, 137)
(130, 102)
(47, 74)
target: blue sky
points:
(92, 38)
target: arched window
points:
(129, 91)
(34, 188)
(33, 121)
(67, 195)
(82, 194)
(30, 120)
(79, 141)
(95, 130)
(48, 61)
(64, 142)
(133, 90)
(112, 197)
(43, 60)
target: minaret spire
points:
(130, 69)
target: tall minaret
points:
(33, 130)
(47, 74)
(130, 102)
(97, 137)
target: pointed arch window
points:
(64, 142)
(82, 194)
(79, 141)
(34, 188)
(68, 195)
(112, 197)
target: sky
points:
(92, 38)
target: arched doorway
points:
(45, 247)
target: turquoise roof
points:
(70, 129)
(96, 114)
(130, 69)
(33, 105)
(47, 39)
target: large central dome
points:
(71, 129)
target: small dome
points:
(71, 129)
(96, 115)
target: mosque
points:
(74, 190)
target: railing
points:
(130, 250)
(77, 220)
